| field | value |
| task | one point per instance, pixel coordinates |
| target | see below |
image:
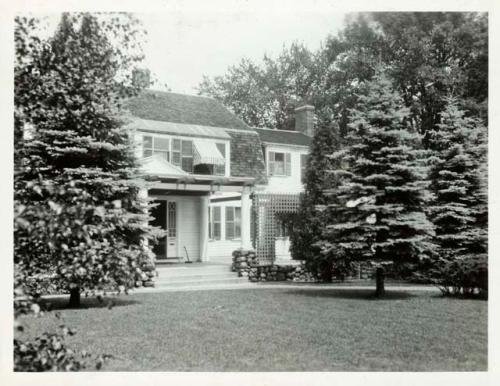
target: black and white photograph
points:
(248, 187)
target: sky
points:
(183, 46)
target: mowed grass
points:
(278, 330)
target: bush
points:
(46, 353)
(467, 277)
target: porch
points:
(181, 208)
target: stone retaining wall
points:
(245, 263)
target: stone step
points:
(192, 269)
(200, 282)
(195, 276)
(205, 287)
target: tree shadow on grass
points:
(359, 294)
(86, 303)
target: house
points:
(207, 169)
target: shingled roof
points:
(286, 137)
(182, 108)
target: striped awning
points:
(206, 152)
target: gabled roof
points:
(285, 137)
(202, 117)
(182, 108)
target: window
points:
(279, 164)
(214, 223)
(220, 170)
(303, 166)
(182, 154)
(155, 145)
(281, 229)
(233, 222)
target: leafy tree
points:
(307, 223)
(433, 55)
(430, 55)
(459, 210)
(377, 210)
(264, 95)
(76, 192)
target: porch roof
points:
(198, 182)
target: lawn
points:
(279, 330)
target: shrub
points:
(467, 276)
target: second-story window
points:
(279, 164)
(182, 154)
(220, 170)
(155, 145)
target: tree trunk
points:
(379, 280)
(74, 297)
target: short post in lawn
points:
(379, 281)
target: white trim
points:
(293, 146)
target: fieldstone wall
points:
(246, 264)
(146, 277)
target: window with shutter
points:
(155, 145)
(279, 164)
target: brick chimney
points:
(304, 120)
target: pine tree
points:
(459, 210)
(307, 224)
(82, 223)
(377, 210)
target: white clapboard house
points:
(218, 182)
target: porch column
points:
(142, 195)
(204, 228)
(246, 203)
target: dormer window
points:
(155, 145)
(197, 155)
(279, 164)
(182, 154)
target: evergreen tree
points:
(80, 222)
(459, 211)
(377, 210)
(307, 223)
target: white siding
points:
(282, 248)
(189, 226)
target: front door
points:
(171, 229)
(165, 217)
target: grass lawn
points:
(279, 330)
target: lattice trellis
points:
(266, 207)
